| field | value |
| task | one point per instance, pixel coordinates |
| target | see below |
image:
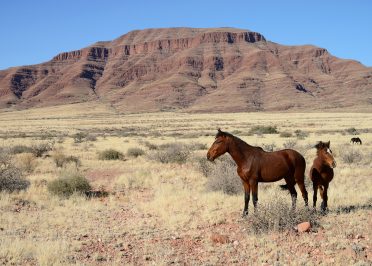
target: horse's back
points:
(290, 160)
(294, 156)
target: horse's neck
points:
(320, 163)
(239, 150)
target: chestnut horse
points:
(256, 165)
(321, 172)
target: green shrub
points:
(171, 153)
(223, 177)
(263, 130)
(135, 152)
(11, 178)
(110, 154)
(69, 183)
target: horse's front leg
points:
(324, 195)
(315, 188)
(247, 191)
(254, 187)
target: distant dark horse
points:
(321, 172)
(356, 140)
(256, 165)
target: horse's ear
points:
(328, 144)
(219, 130)
(319, 145)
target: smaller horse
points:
(321, 172)
(255, 165)
(356, 140)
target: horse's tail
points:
(284, 187)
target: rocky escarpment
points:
(221, 69)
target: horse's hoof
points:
(245, 214)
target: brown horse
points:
(321, 172)
(256, 165)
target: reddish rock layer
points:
(220, 69)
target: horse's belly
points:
(268, 179)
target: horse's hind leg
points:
(292, 190)
(300, 180)
(304, 193)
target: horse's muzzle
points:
(209, 158)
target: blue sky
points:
(34, 31)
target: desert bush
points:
(62, 160)
(11, 178)
(40, 149)
(223, 177)
(91, 137)
(278, 215)
(352, 131)
(285, 134)
(269, 147)
(194, 146)
(236, 132)
(290, 144)
(83, 136)
(135, 152)
(171, 153)
(68, 183)
(263, 130)
(301, 134)
(149, 145)
(110, 154)
(79, 137)
(17, 149)
(351, 156)
(26, 162)
(204, 166)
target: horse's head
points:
(324, 152)
(219, 146)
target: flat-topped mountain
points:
(217, 69)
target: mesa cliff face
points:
(221, 69)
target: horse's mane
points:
(227, 134)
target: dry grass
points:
(160, 213)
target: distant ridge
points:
(192, 69)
